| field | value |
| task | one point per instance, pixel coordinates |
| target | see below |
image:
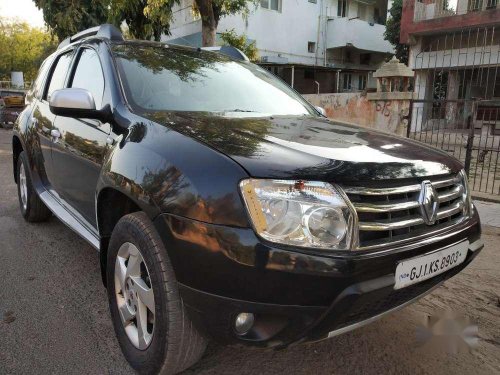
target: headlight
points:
(299, 213)
(468, 205)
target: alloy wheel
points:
(134, 296)
(23, 186)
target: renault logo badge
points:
(429, 203)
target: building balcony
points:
(363, 35)
(445, 8)
(433, 17)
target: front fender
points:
(164, 171)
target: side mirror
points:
(321, 110)
(78, 103)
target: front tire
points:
(32, 207)
(150, 321)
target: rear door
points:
(78, 152)
(42, 119)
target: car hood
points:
(310, 148)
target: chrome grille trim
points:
(383, 191)
(394, 214)
(456, 208)
(447, 182)
(455, 193)
(396, 206)
(382, 226)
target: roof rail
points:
(230, 51)
(107, 31)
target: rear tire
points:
(170, 343)
(32, 207)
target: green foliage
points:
(185, 64)
(66, 18)
(211, 11)
(241, 42)
(146, 19)
(23, 48)
(223, 8)
(393, 29)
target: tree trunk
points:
(208, 22)
(208, 34)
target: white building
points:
(333, 45)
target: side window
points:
(59, 74)
(88, 75)
(37, 88)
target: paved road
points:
(54, 314)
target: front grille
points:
(388, 214)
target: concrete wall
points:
(286, 34)
(355, 108)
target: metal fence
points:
(457, 101)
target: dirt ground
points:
(54, 316)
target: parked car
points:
(10, 107)
(224, 205)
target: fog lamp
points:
(243, 323)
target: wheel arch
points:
(112, 203)
(17, 148)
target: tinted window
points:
(168, 79)
(59, 74)
(40, 79)
(88, 75)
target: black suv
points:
(224, 205)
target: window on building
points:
(364, 59)
(347, 81)
(377, 18)
(475, 5)
(348, 56)
(271, 4)
(309, 74)
(362, 12)
(59, 73)
(311, 47)
(362, 82)
(491, 4)
(342, 8)
(88, 75)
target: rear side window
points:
(88, 75)
(59, 74)
(40, 79)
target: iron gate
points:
(456, 105)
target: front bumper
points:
(294, 295)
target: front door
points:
(43, 119)
(79, 149)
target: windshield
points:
(159, 78)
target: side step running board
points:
(72, 220)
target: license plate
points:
(415, 270)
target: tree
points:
(241, 42)
(146, 19)
(23, 48)
(66, 18)
(211, 11)
(393, 29)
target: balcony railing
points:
(447, 8)
(356, 33)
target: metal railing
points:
(7, 85)
(444, 8)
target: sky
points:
(25, 10)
